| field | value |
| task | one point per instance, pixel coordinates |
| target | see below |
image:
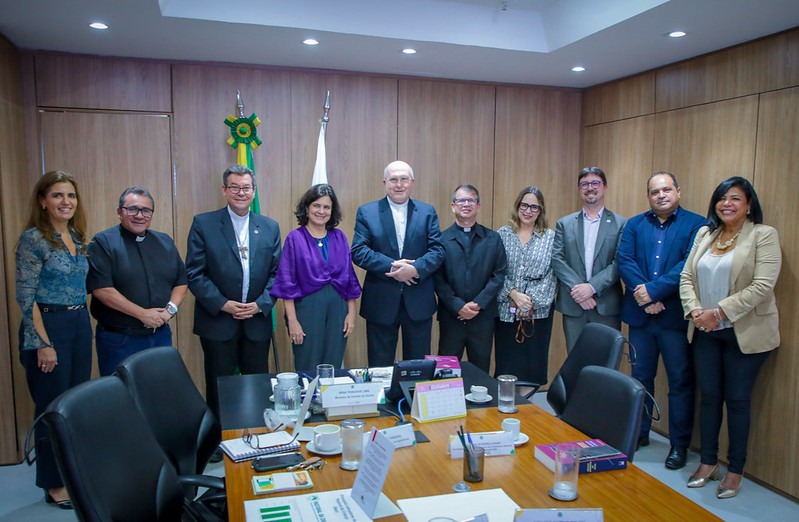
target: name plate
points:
(438, 400)
(401, 436)
(353, 394)
(495, 443)
(561, 515)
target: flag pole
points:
(320, 168)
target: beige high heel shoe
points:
(697, 481)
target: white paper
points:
(351, 394)
(459, 506)
(372, 472)
(401, 436)
(495, 443)
(332, 505)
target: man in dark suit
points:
(651, 255)
(584, 260)
(231, 261)
(468, 282)
(398, 242)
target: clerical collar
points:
(130, 234)
(397, 206)
(466, 229)
(237, 218)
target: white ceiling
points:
(512, 41)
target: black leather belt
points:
(47, 308)
(138, 331)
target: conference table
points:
(426, 469)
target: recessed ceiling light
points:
(409, 51)
(677, 34)
(578, 68)
(98, 25)
(310, 41)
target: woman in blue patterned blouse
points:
(525, 302)
(55, 337)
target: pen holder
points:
(473, 464)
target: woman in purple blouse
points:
(317, 282)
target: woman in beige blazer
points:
(727, 291)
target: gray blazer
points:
(568, 263)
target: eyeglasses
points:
(235, 189)
(252, 439)
(531, 207)
(465, 201)
(593, 184)
(146, 213)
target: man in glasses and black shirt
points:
(137, 280)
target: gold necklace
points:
(727, 244)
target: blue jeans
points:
(652, 341)
(113, 348)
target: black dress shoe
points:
(63, 504)
(643, 440)
(216, 456)
(677, 457)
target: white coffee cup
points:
(479, 393)
(327, 437)
(513, 426)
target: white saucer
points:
(312, 448)
(472, 399)
(523, 439)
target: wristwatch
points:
(172, 308)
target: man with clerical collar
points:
(584, 260)
(468, 282)
(137, 281)
(397, 241)
(651, 255)
(231, 260)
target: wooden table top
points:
(426, 469)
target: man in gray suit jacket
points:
(231, 262)
(584, 260)
(397, 241)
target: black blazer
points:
(215, 274)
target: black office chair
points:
(111, 463)
(607, 404)
(179, 417)
(597, 345)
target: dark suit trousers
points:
(381, 339)
(529, 360)
(475, 335)
(224, 357)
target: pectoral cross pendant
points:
(243, 252)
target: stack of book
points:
(595, 456)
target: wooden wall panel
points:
(760, 66)
(706, 144)
(102, 83)
(446, 134)
(538, 143)
(12, 168)
(627, 98)
(775, 429)
(361, 141)
(204, 96)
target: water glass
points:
(326, 374)
(507, 394)
(567, 469)
(352, 443)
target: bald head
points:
(398, 180)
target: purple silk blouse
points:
(303, 271)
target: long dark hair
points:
(311, 195)
(755, 211)
(38, 217)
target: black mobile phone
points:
(277, 461)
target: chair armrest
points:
(203, 481)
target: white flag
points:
(320, 169)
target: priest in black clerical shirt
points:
(468, 281)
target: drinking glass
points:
(507, 394)
(352, 443)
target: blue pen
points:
(469, 436)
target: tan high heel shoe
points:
(722, 492)
(697, 481)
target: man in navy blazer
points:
(231, 262)
(397, 241)
(584, 260)
(651, 255)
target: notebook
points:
(270, 443)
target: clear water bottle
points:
(287, 395)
